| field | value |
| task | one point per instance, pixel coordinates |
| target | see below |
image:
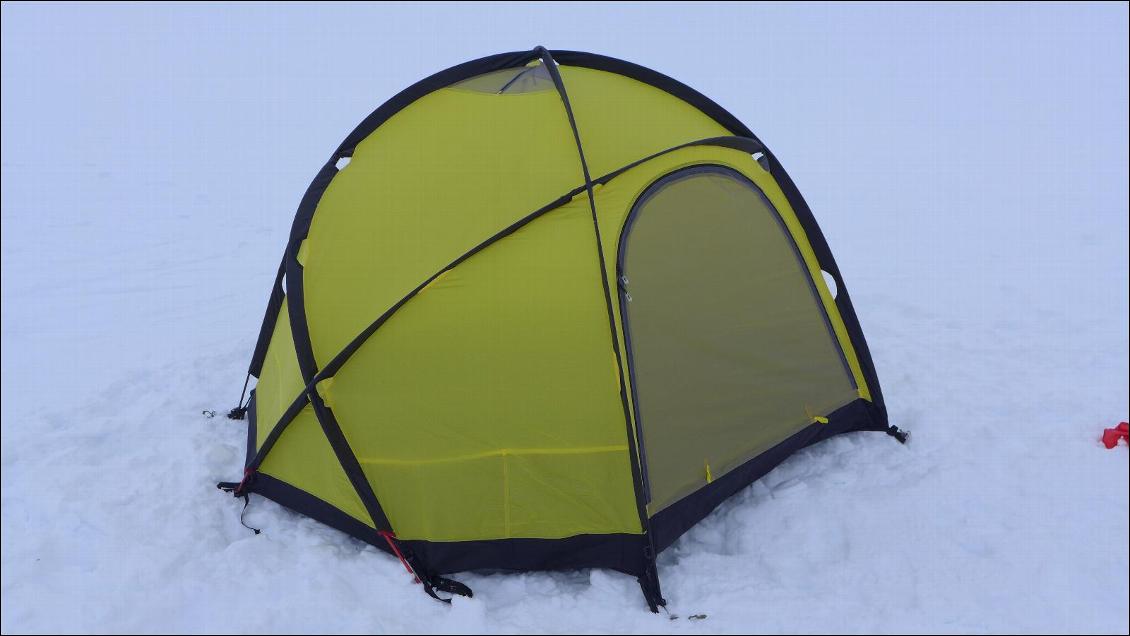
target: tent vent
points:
(831, 282)
(761, 160)
(342, 163)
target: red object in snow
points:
(391, 539)
(1112, 435)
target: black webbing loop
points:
(451, 586)
(431, 582)
(241, 489)
(247, 502)
(897, 433)
(446, 585)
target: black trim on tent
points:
(430, 84)
(843, 299)
(658, 80)
(618, 552)
(251, 430)
(267, 328)
(296, 304)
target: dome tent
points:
(546, 310)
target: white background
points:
(968, 165)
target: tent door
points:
(729, 349)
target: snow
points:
(967, 163)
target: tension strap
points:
(431, 582)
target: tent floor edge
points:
(619, 552)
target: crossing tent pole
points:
(332, 367)
(304, 351)
(649, 578)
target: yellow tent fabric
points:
(451, 363)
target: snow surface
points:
(967, 163)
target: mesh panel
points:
(731, 350)
(526, 79)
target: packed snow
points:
(967, 163)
